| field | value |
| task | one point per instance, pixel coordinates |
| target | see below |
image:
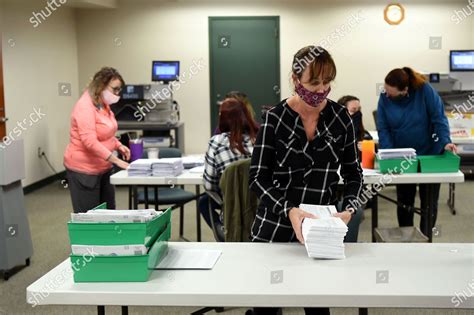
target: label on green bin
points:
(118, 233)
(121, 268)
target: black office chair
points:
(169, 195)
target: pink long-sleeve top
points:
(91, 138)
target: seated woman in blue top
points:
(410, 114)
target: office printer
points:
(152, 103)
(459, 108)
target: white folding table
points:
(188, 178)
(403, 275)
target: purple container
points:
(136, 149)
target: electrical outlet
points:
(40, 152)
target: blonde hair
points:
(101, 80)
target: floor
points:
(49, 208)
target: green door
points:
(244, 56)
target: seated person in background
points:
(241, 97)
(352, 104)
(234, 143)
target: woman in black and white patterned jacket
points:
(299, 149)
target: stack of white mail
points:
(141, 167)
(167, 167)
(109, 250)
(115, 216)
(400, 153)
(324, 236)
(192, 161)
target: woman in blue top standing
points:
(410, 114)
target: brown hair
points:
(343, 101)
(318, 59)
(242, 97)
(405, 77)
(100, 81)
(235, 118)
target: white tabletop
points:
(455, 140)
(187, 178)
(415, 178)
(420, 275)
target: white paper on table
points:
(110, 250)
(320, 211)
(370, 172)
(193, 159)
(189, 259)
(197, 170)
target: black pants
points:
(406, 195)
(89, 191)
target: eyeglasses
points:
(116, 90)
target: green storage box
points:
(121, 268)
(118, 233)
(444, 163)
(397, 166)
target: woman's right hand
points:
(122, 164)
(296, 216)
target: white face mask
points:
(109, 98)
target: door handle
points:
(218, 102)
(3, 119)
(277, 90)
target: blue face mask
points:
(397, 98)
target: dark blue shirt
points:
(418, 121)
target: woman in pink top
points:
(88, 158)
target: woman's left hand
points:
(125, 152)
(345, 216)
(451, 147)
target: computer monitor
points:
(461, 60)
(434, 78)
(165, 71)
(133, 92)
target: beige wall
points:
(136, 33)
(73, 43)
(35, 60)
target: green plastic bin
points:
(397, 166)
(443, 163)
(118, 233)
(121, 268)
